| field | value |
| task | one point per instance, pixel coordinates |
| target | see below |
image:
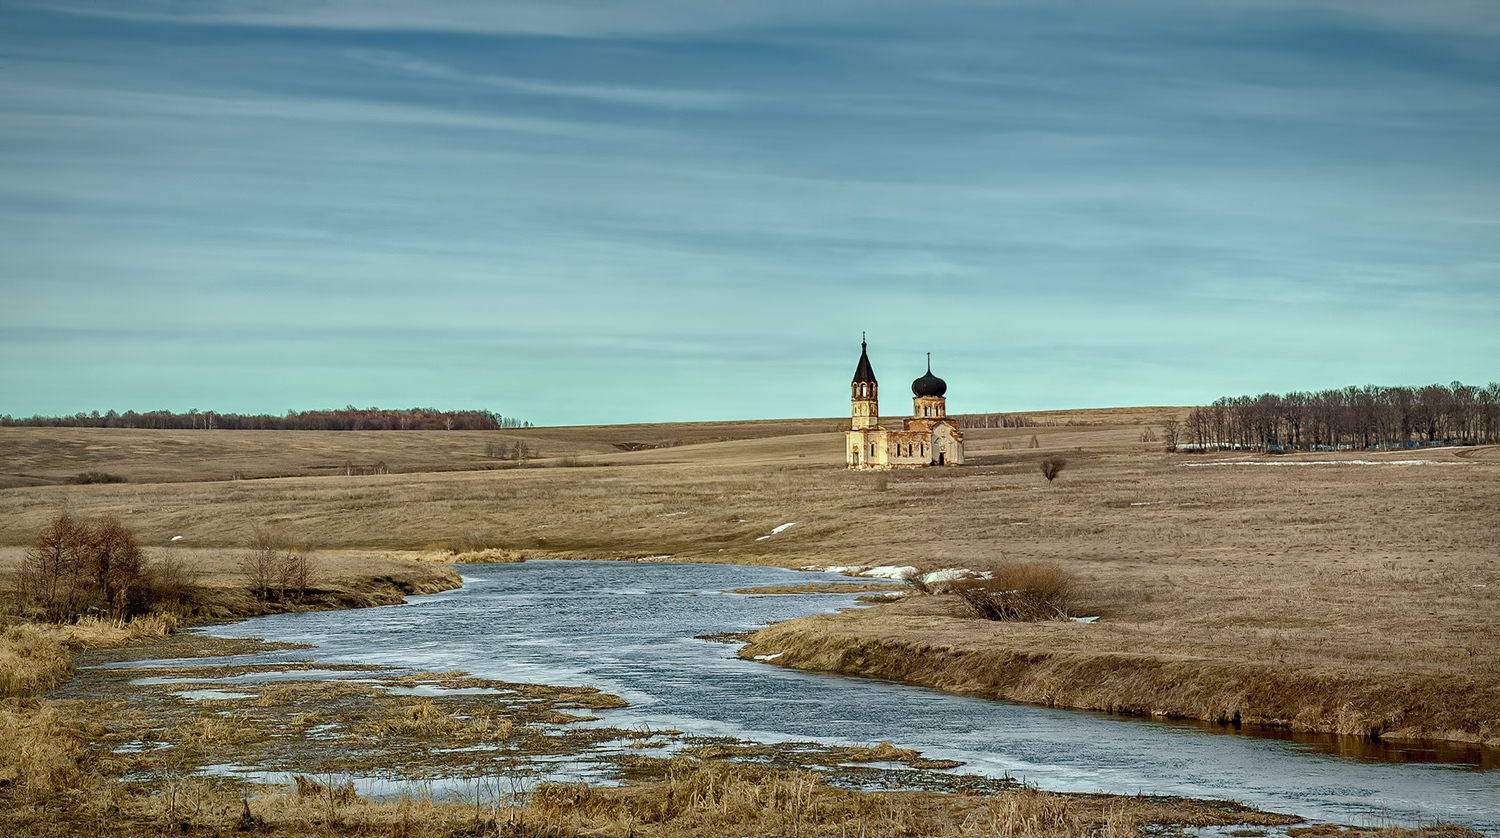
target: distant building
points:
(928, 438)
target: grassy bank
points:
(930, 641)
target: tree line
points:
(350, 418)
(1354, 417)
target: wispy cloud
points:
(683, 18)
(656, 97)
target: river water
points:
(629, 629)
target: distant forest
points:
(350, 418)
(1354, 417)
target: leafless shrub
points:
(277, 569)
(1035, 443)
(87, 477)
(1052, 466)
(76, 566)
(1025, 592)
(518, 451)
(1147, 435)
(914, 578)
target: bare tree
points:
(1035, 443)
(75, 566)
(1052, 466)
(1171, 429)
(262, 567)
(295, 571)
(49, 569)
(116, 565)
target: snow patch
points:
(769, 657)
(890, 572)
(952, 573)
(777, 530)
(1083, 619)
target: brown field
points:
(1353, 598)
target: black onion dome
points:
(929, 384)
(863, 374)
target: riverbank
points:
(931, 641)
(138, 742)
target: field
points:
(1349, 592)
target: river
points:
(628, 629)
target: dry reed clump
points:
(1022, 592)
(42, 753)
(34, 656)
(426, 719)
(32, 659)
(474, 548)
(1029, 813)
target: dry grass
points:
(1350, 598)
(686, 797)
(42, 456)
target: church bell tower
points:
(865, 406)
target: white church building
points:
(927, 438)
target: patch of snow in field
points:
(1083, 619)
(654, 558)
(952, 573)
(890, 572)
(1149, 502)
(777, 530)
(670, 514)
(769, 657)
(1323, 463)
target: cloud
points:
(107, 105)
(679, 18)
(659, 97)
(556, 18)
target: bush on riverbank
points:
(1023, 592)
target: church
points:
(928, 438)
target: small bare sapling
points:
(1052, 466)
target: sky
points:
(679, 210)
